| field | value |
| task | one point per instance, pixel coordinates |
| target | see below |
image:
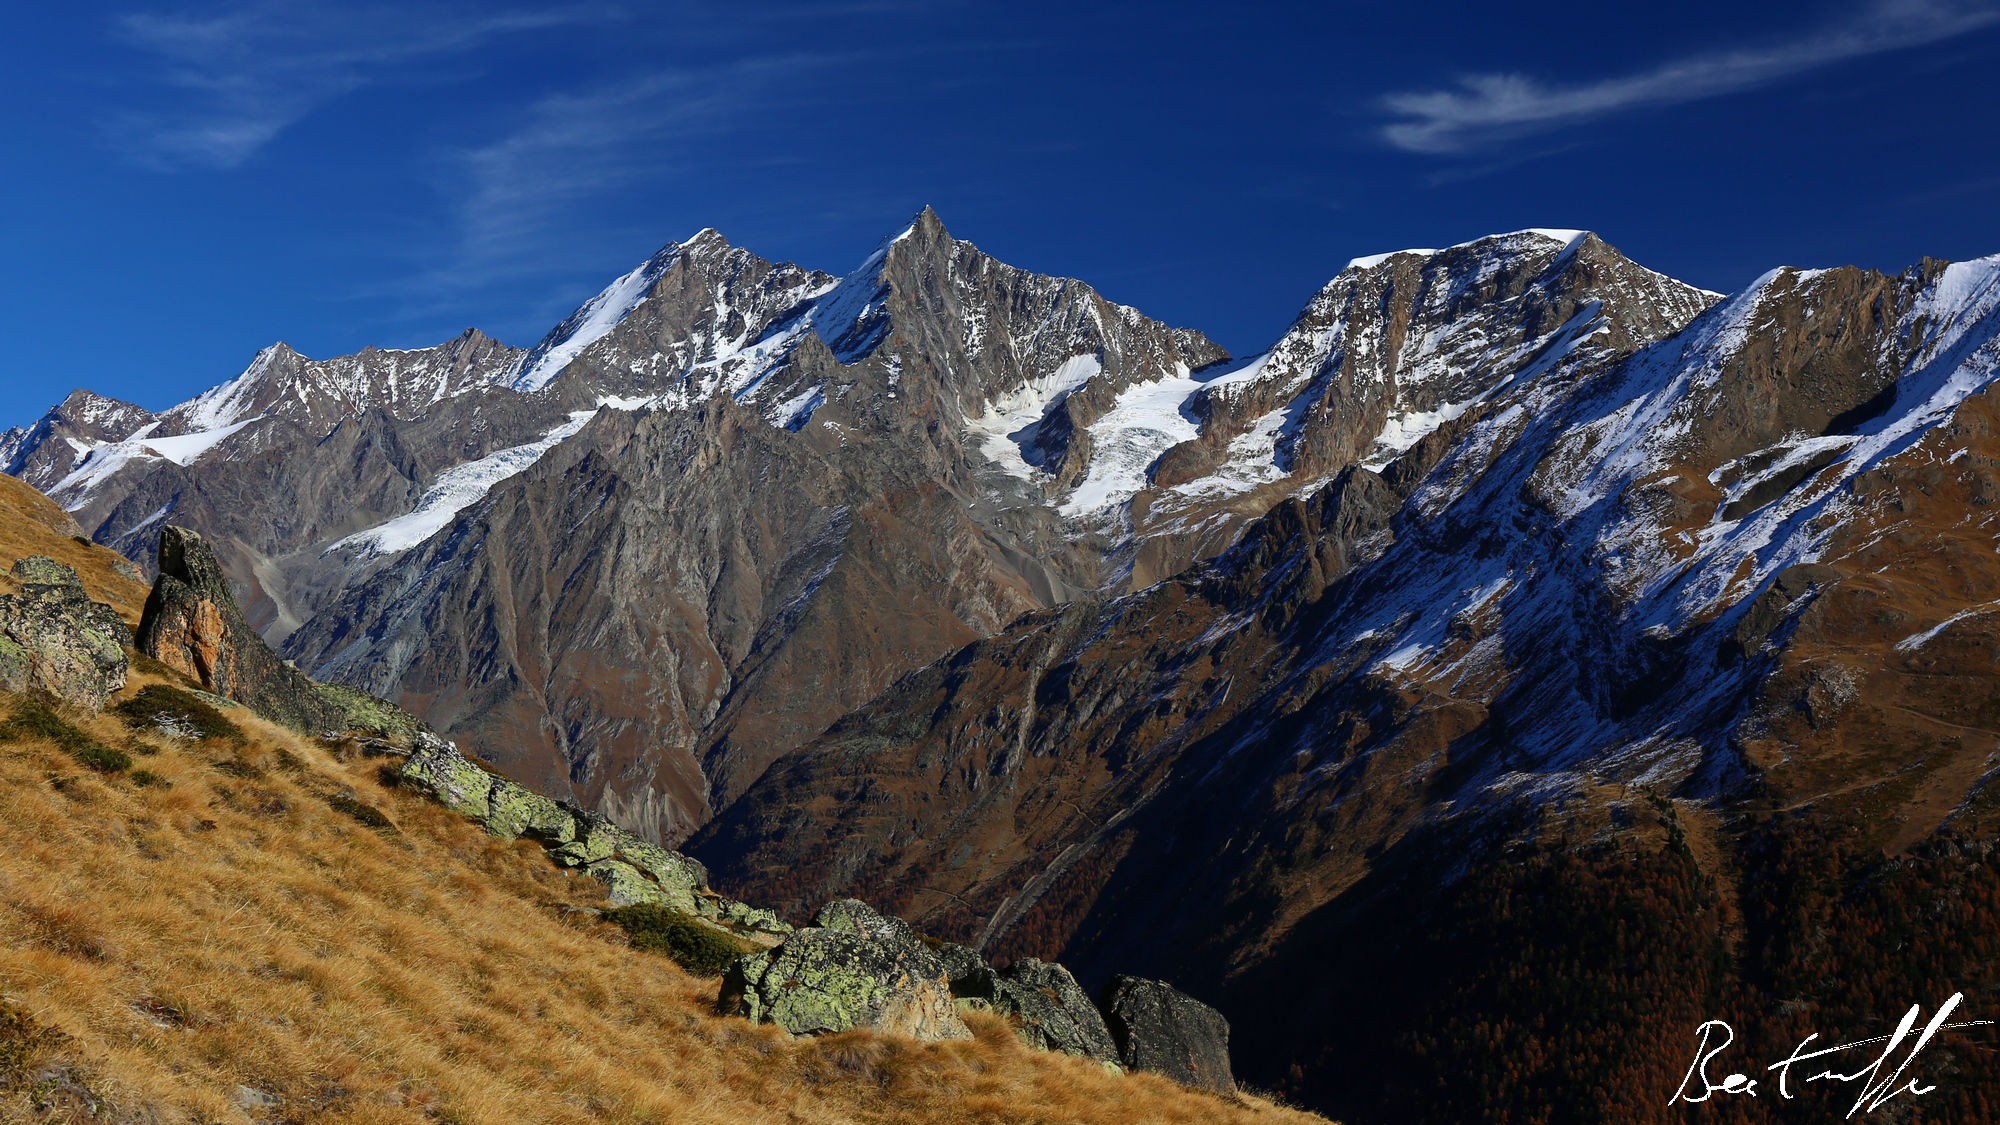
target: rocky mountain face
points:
(1393, 347)
(728, 500)
(1515, 586)
(1627, 637)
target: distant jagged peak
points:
(592, 320)
(1536, 237)
(724, 299)
(88, 411)
(281, 381)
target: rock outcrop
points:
(1051, 1012)
(633, 870)
(851, 968)
(1158, 1027)
(193, 625)
(55, 641)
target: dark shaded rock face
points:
(964, 966)
(851, 968)
(1050, 1010)
(192, 625)
(55, 641)
(1160, 1028)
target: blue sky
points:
(185, 183)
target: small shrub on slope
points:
(179, 714)
(662, 929)
(34, 719)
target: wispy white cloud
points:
(520, 205)
(1488, 108)
(234, 81)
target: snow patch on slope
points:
(462, 486)
(1005, 429)
(1146, 420)
(227, 404)
(102, 461)
(849, 316)
(1566, 237)
(590, 323)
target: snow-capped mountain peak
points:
(594, 318)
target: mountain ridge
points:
(1061, 447)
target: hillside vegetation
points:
(268, 926)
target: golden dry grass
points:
(236, 929)
(33, 524)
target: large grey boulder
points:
(1051, 1012)
(1162, 1029)
(851, 968)
(55, 641)
(458, 783)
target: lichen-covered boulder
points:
(193, 625)
(595, 838)
(741, 915)
(1051, 1012)
(632, 870)
(1160, 1028)
(455, 780)
(745, 916)
(851, 968)
(681, 880)
(624, 885)
(55, 641)
(962, 965)
(514, 810)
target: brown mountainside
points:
(1700, 639)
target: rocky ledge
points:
(632, 870)
(852, 968)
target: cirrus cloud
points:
(1489, 108)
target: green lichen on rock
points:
(14, 666)
(633, 871)
(59, 643)
(595, 839)
(455, 780)
(371, 716)
(1051, 1012)
(41, 570)
(852, 968)
(749, 917)
(516, 810)
(623, 883)
(681, 880)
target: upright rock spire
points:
(193, 625)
